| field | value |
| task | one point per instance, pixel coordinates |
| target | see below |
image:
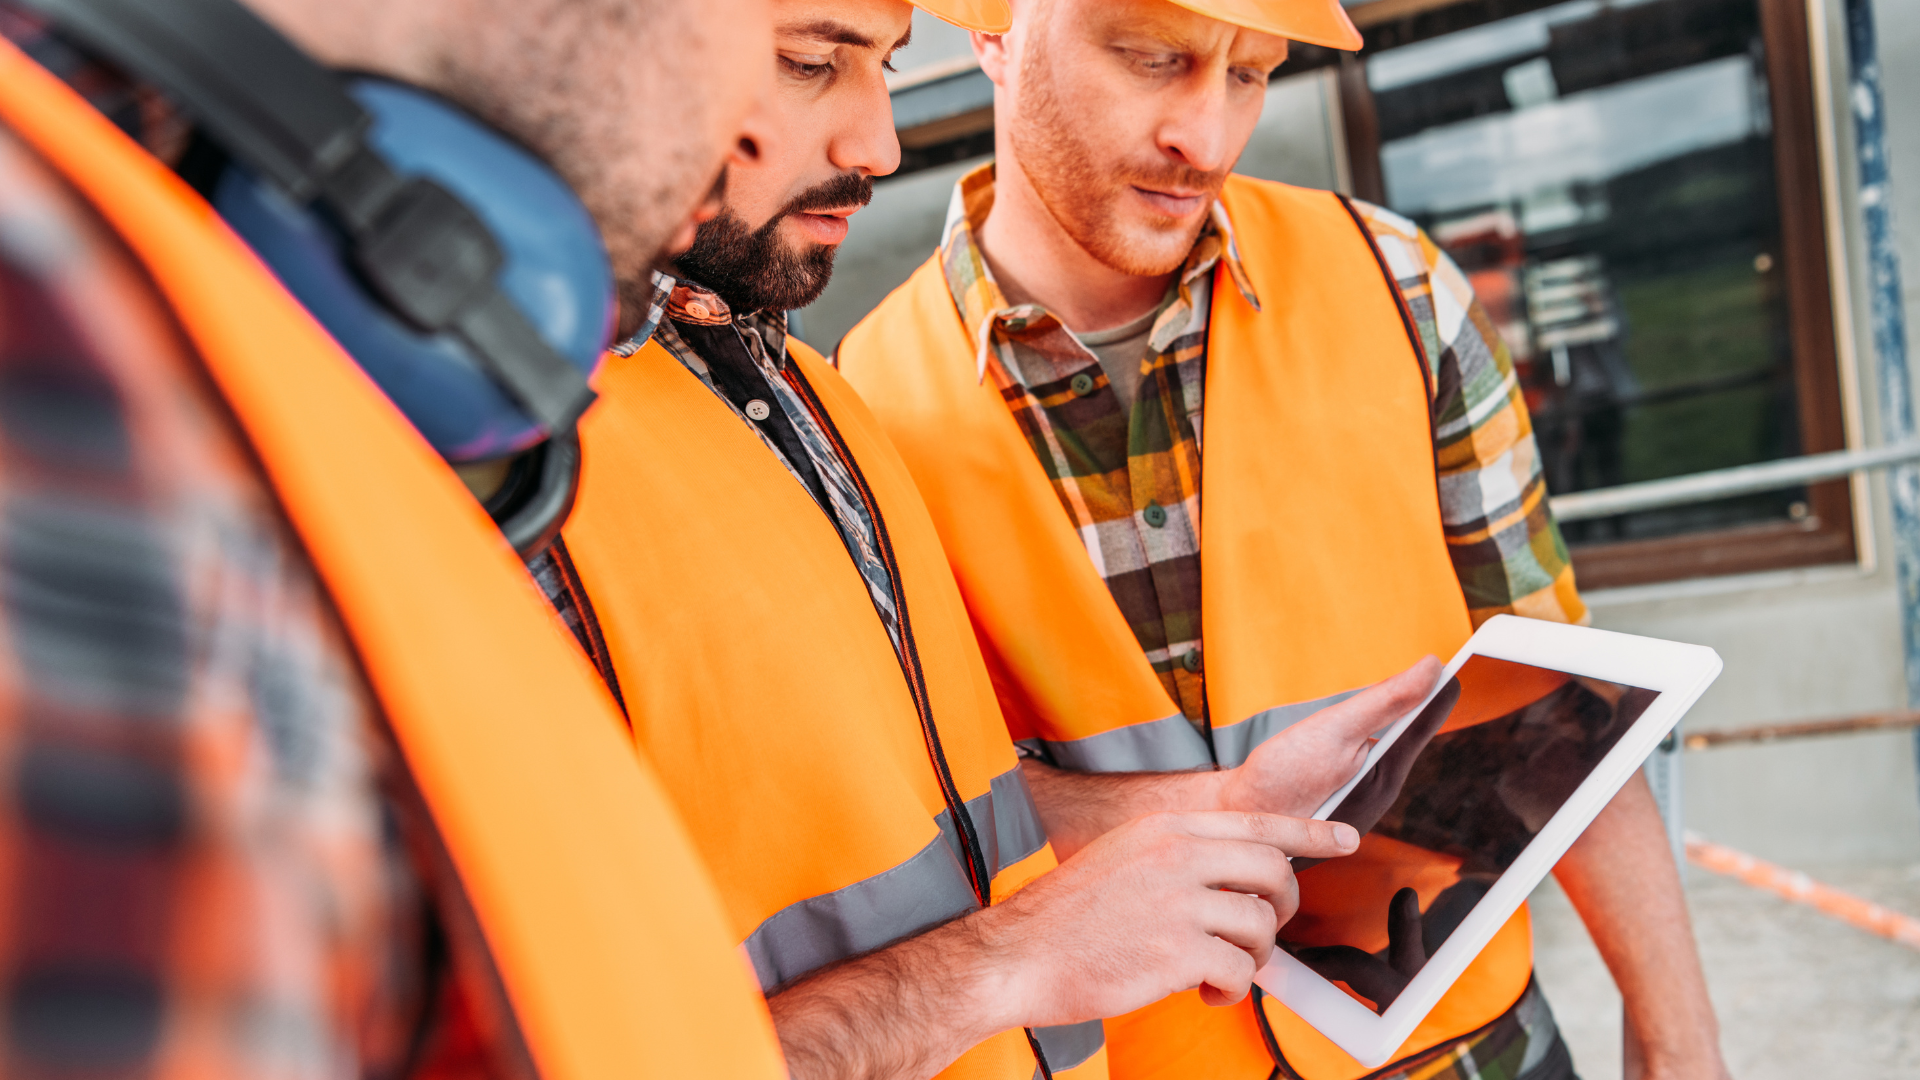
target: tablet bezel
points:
(1679, 672)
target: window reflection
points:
(1604, 171)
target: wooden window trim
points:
(1826, 536)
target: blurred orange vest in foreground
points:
(1323, 569)
(819, 771)
(604, 927)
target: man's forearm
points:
(904, 1012)
(1163, 904)
(1078, 808)
(1621, 878)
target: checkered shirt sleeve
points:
(1506, 549)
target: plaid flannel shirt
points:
(1131, 483)
(214, 861)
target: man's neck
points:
(1035, 261)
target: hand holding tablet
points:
(1534, 728)
(1294, 772)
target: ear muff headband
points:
(417, 247)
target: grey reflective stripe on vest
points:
(917, 895)
(1070, 1044)
(1232, 744)
(1171, 744)
(1165, 745)
(1005, 817)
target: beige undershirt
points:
(1122, 352)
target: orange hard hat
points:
(986, 16)
(1317, 22)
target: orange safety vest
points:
(759, 676)
(1323, 566)
(606, 931)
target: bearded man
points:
(755, 577)
(301, 780)
(1374, 493)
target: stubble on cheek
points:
(1090, 191)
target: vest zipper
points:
(979, 875)
(978, 871)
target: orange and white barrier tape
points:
(1801, 889)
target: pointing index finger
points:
(1292, 836)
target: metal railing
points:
(1895, 720)
(1728, 483)
(1663, 768)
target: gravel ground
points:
(1801, 996)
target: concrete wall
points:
(1798, 645)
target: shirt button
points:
(1155, 515)
(699, 310)
(758, 410)
(1191, 661)
(1082, 384)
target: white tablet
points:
(1533, 728)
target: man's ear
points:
(991, 51)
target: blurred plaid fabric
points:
(212, 862)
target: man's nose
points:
(1194, 129)
(865, 141)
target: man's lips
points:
(1173, 202)
(824, 226)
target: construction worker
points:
(751, 569)
(302, 780)
(1372, 491)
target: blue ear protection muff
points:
(458, 270)
(554, 269)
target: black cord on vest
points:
(1280, 1070)
(1428, 374)
(979, 874)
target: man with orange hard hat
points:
(1373, 494)
(751, 569)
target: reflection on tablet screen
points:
(1447, 809)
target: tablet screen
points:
(1445, 811)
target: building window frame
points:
(1826, 534)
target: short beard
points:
(1078, 186)
(752, 270)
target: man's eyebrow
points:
(1172, 37)
(828, 30)
(905, 40)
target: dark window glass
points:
(1605, 172)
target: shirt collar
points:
(656, 310)
(984, 308)
(688, 302)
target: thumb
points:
(1379, 705)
